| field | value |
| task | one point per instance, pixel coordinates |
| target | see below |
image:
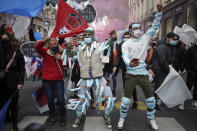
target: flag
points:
(40, 99)
(29, 8)
(68, 21)
(173, 91)
(3, 113)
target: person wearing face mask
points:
(53, 76)
(120, 63)
(191, 67)
(112, 54)
(90, 55)
(134, 54)
(170, 53)
(12, 71)
(80, 39)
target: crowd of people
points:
(93, 64)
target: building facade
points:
(175, 13)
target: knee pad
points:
(124, 106)
(151, 102)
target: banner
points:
(173, 90)
(28, 49)
(3, 113)
(68, 21)
(29, 8)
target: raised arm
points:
(156, 22)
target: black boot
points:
(62, 119)
(52, 119)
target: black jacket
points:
(119, 60)
(162, 60)
(16, 73)
(191, 59)
(109, 66)
(178, 57)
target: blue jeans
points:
(52, 86)
(107, 75)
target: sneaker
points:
(194, 103)
(52, 119)
(181, 106)
(134, 105)
(107, 120)
(121, 123)
(77, 122)
(153, 124)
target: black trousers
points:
(192, 81)
(5, 94)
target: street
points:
(168, 119)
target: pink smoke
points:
(117, 12)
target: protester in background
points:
(160, 64)
(53, 76)
(80, 39)
(191, 67)
(134, 54)
(112, 52)
(178, 55)
(12, 69)
(120, 64)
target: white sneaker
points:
(181, 106)
(194, 103)
(153, 124)
(121, 123)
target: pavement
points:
(173, 119)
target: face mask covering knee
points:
(87, 40)
(137, 33)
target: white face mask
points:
(125, 39)
(137, 33)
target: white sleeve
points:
(126, 54)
